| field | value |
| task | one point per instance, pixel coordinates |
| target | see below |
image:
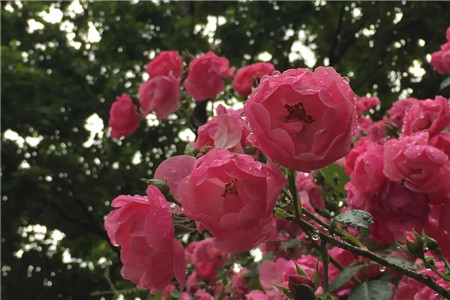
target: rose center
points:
(230, 188)
(298, 112)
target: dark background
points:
(50, 88)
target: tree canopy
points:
(64, 63)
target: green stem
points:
(294, 194)
(325, 259)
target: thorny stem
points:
(425, 279)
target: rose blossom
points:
(226, 130)
(243, 80)
(421, 167)
(440, 60)
(430, 115)
(233, 197)
(160, 94)
(123, 117)
(397, 112)
(309, 190)
(150, 253)
(272, 274)
(301, 119)
(364, 104)
(368, 167)
(165, 63)
(206, 258)
(205, 74)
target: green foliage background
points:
(50, 91)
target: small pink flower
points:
(204, 80)
(238, 284)
(430, 115)
(123, 117)
(243, 80)
(301, 119)
(232, 196)
(226, 130)
(421, 167)
(305, 183)
(160, 94)
(364, 104)
(397, 112)
(206, 258)
(164, 64)
(150, 253)
(440, 60)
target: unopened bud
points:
(301, 287)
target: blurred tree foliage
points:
(51, 86)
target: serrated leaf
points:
(290, 244)
(374, 290)
(356, 218)
(334, 175)
(345, 276)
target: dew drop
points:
(382, 268)
(315, 236)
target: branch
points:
(426, 280)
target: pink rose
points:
(160, 94)
(226, 130)
(440, 60)
(173, 170)
(409, 288)
(123, 117)
(238, 284)
(303, 120)
(402, 209)
(164, 64)
(272, 274)
(364, 104)
(150, 253)
(305, 183)
(206, 258)
(430, 115)
(377, 132)
(233, 197)
(204, 80)
(421, 167)
(397, 112)
(368, 167)
(243, 80)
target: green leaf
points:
(400, 261)
(445, 83)
(335, 177)
(359, 219)
(345, 276)
(374, 290)
(285, 291)
(316, 279)
(290, 244)
(300, 271)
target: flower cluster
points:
(252, 171)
